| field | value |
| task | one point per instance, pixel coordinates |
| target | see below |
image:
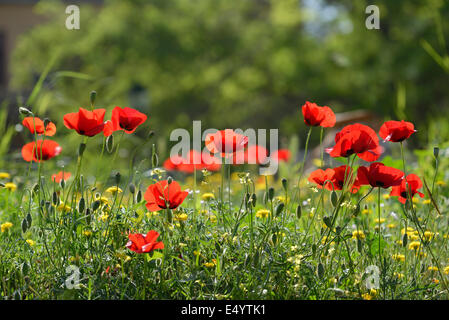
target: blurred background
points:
(231, 64)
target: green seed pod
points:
(154, 158)
(139, 196)
(110, 143)
(169, 180)
(95, 205)
(436, 152)
(24, 111)
(132, 188)
(81, 205)
(404, 239)
(320, 270)
(93, 97)
(271, 193)
(88, 217)
(62, 183)
(298, 211)
(279, 209)
(313, 248)
(24, 225)
(81, 149)
(284, 184)
(265, 198)
(334, 198)
(55, 198)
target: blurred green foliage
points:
(242, 64)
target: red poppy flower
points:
(210, 162)
(226, 142)
(396, 131)
(379, 175)
(31, 123)
(356, 138)
(321, 177)
(338, 179)
(281, 155)
(41, 152)
(161, 194)
(86, 123)
(414, 183)
(127, 119)
(58, 177)
(254, 154)
(141, 243)
(194, 161)
(315, 115)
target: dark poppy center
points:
(380, 184)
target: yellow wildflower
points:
(103, 217)
(426, 201)
(358, 234)
(114, 190)
(415, 200)
(262, 213)
(63, 207)
(213, 218)
(386, 196)
(381, 220)
(398, 275)
(391, 226)
(414, 245)
(432, 268)
(6, 226)
(208, 196)
(398, 257)
(441, 183)
(180, 217)
(30, 242)
(365, 211)
(446, 270)
(4, 175)
(87, 233)
(10, 186)
(428, 235)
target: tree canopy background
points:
(241, 64)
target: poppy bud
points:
(150, 134)
(88, 218)
(139, 196)
(2, 185)
(36, 188)
(313, 248)
(118, 177)
(81, 149)
(279, 208)
(24, 225)
(327, 221)
(356, 210)
(81, 205)
(96, 205)
(404, 240)
(253, 199)
(436, 152)
(54, 198)
(132, 188)
(298, 211)
(24, 111)
(320, 270)
(154, 158)
(62, 183)
(334, 198)
(46, 122)
(284, 184)
(169, 180)
(359, 245)
(110, 143)
(265, 198)
(271, 193)
(93, 96)
(29, 219)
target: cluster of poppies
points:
(362, 141)
(229, 145)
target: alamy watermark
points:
(72, 22)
